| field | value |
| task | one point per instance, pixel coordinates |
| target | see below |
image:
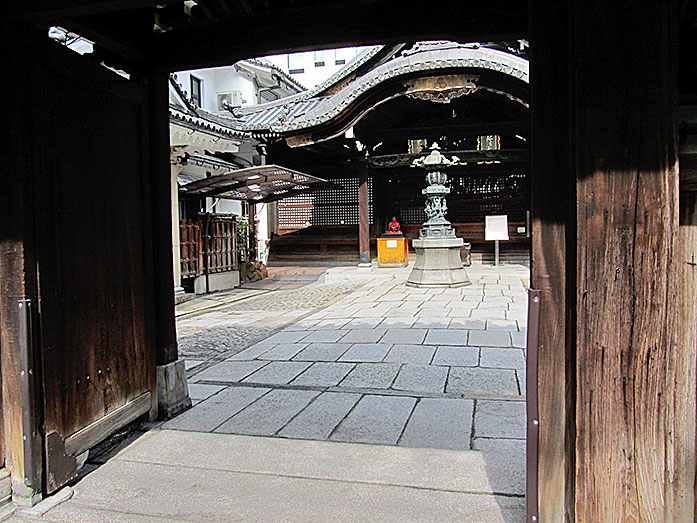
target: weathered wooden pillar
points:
(553, 186)
(636, 330)
(172, 390)
(613, 259)
(363, 218)
(20, 440)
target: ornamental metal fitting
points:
(436, 205)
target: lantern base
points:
(438, 263)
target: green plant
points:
(245, 239)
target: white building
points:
(313, 67)
(205, 142)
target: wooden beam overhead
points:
(74, 8)
(510, 128)
(226, 40)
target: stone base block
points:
(438, 264)
(23, 496)
(172, 389)
(219, 281)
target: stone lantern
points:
(438, 262)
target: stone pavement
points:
(385, 364)
(342, 396)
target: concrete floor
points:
(386, 403)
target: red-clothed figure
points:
(394, 227)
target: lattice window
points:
(472, 197)
(324, 207)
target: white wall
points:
(314, 75)
(217, 80)
(224, 206)
(262, 222)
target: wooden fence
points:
(208, 244)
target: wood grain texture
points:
(634, 354)
(552, 180)
(363, 218)
(17, 239)
(97, 331)
(159, 232)
(681, 416)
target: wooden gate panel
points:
(97, 337)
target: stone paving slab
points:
(456, 356)
(421, 378)
(331, 324)
(375, 419)
(432, 323)
(502, 325)
(476, 380)
(363, 335)
(363, 323)
(282, 351)
(447, 337)
(324, 336)
(440, 423)
(302, 325)
(278, 372)
(321, 417)
(519, 339)
(322, 352)
(488, 314)
(215, 410)
(405, 353)
(397, 323)
(366, 352)
(427, 468)
(269, 414)
(502, 358)
(489, 338)
(252, 352)
(500, 419)
(371, 376)
(286, 337)
(505, 462)
(361, 483)
(200, 391)
(229, 371)
(324, 374)
(467, 323)
(413, 336)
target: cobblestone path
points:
(227, 329)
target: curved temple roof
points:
(310, 109)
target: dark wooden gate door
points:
(95, 264)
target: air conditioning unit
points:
(230, 99)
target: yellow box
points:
(393, 252)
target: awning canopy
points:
(262, 183)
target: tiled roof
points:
(205, 121)
(306, 110)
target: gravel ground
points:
(200, 341)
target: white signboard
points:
(391, 244)
(496, 227)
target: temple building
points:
(363, 127)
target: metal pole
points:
(496, 252)
(531, 404)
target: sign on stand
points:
(496, 229)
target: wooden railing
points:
(221, 245)
(208, 244)
(190, 248)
